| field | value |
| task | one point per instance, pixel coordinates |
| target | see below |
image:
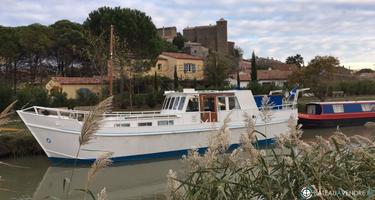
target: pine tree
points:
(253, 68)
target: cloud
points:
(342, 28)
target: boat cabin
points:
(210, 104)
(318, 108)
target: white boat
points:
(187, 119)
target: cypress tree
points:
(155, 82)
(175, 79)
(238, 80)
(253, 68)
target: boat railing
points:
(80, 115)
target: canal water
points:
(34, 177)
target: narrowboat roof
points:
(193, 91)
(342, 102)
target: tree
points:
(134, 29)
(297, 59)
(365, 70)
(155, 83)
(253, 68)
(175, 79)
(216, 70)
(70, 44)
(179, 41)
(238, 80)
(318, 75)
(35, 41)
(11, 52)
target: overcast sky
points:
(341, 28)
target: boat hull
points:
(60, 139)
(328, 121)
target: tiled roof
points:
(266, 75)
(273, 74)
(284, 67)
(181, 56)
(77, 80)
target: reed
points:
(90, 126)
(4, 115)
(339, 163)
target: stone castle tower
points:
(214, 37)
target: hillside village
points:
(190, 61)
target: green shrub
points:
(86, 97)
(58, 99)
(6, 95)
(32, 96)
(151, 100)
(339, 164)
(139, 100)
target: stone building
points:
(195, 49)
(214, 37)
(167, 33)
(188, 67)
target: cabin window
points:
(221, 103)
(122, 125)
(165, 122)
(311, 109)
(182, 102)
(233, 103)
(209, 104)
(366, 107)
(145, 124)
(167, 103)
(171, 103)
(338, 108)
(177, 100)
(192, 105)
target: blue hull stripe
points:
(169, 154)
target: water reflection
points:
(141, 180)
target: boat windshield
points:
(174, 103)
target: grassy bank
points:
(20, 143)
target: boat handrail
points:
(80, 114)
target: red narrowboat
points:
(333, 114)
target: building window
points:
(193, 68)
(186, 67)
(190, 67)
(233, 103)
(165, 122)
(145, 124)
(159, 66)
(338, 108)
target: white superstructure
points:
(187, 119)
